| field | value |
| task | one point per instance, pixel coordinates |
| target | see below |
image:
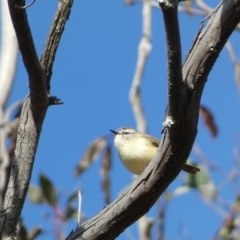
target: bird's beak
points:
(113, 132)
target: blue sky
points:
(92, 74)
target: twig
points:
(231, 52)
(16, 105)
(201, 4)
(214, 207)
(79, 208)
(143, 52)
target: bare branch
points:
(174, 53)
(16, 105)
(147, 188)
(54, 36)
(193, 11)
(7, 128)
(143, 52)
(37, 80)
(208, 10)
(31, 120)
(231, 52)
(235, 63)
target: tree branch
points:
(54, 36)
(144, 49)
(178, 138)
(31, 120)
(37, 80)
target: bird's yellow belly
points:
(139, 158)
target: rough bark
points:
(178, 136)
(33, 111)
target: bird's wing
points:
(154, 141)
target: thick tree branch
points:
(33, 113)
(31, 120)
(54, 36)
(176, 86)
(37, 80)
(178, 138)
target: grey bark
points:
(33, 111)
(178, 137)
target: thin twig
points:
(16, 105)
(202, 5)
(231, 51)
(79, 208)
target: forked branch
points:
(179, 133)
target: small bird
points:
(136, 150)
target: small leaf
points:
(35, 195)
(48, 190)
(208, 119)
(90, 155)
(194, 180)
(202, 182)
(106, 162)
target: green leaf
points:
(48, 190)
(71, 212)
(35, 195)
(201, 178)
(203, 182)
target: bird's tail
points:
(190, 168)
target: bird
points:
(136, 150)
